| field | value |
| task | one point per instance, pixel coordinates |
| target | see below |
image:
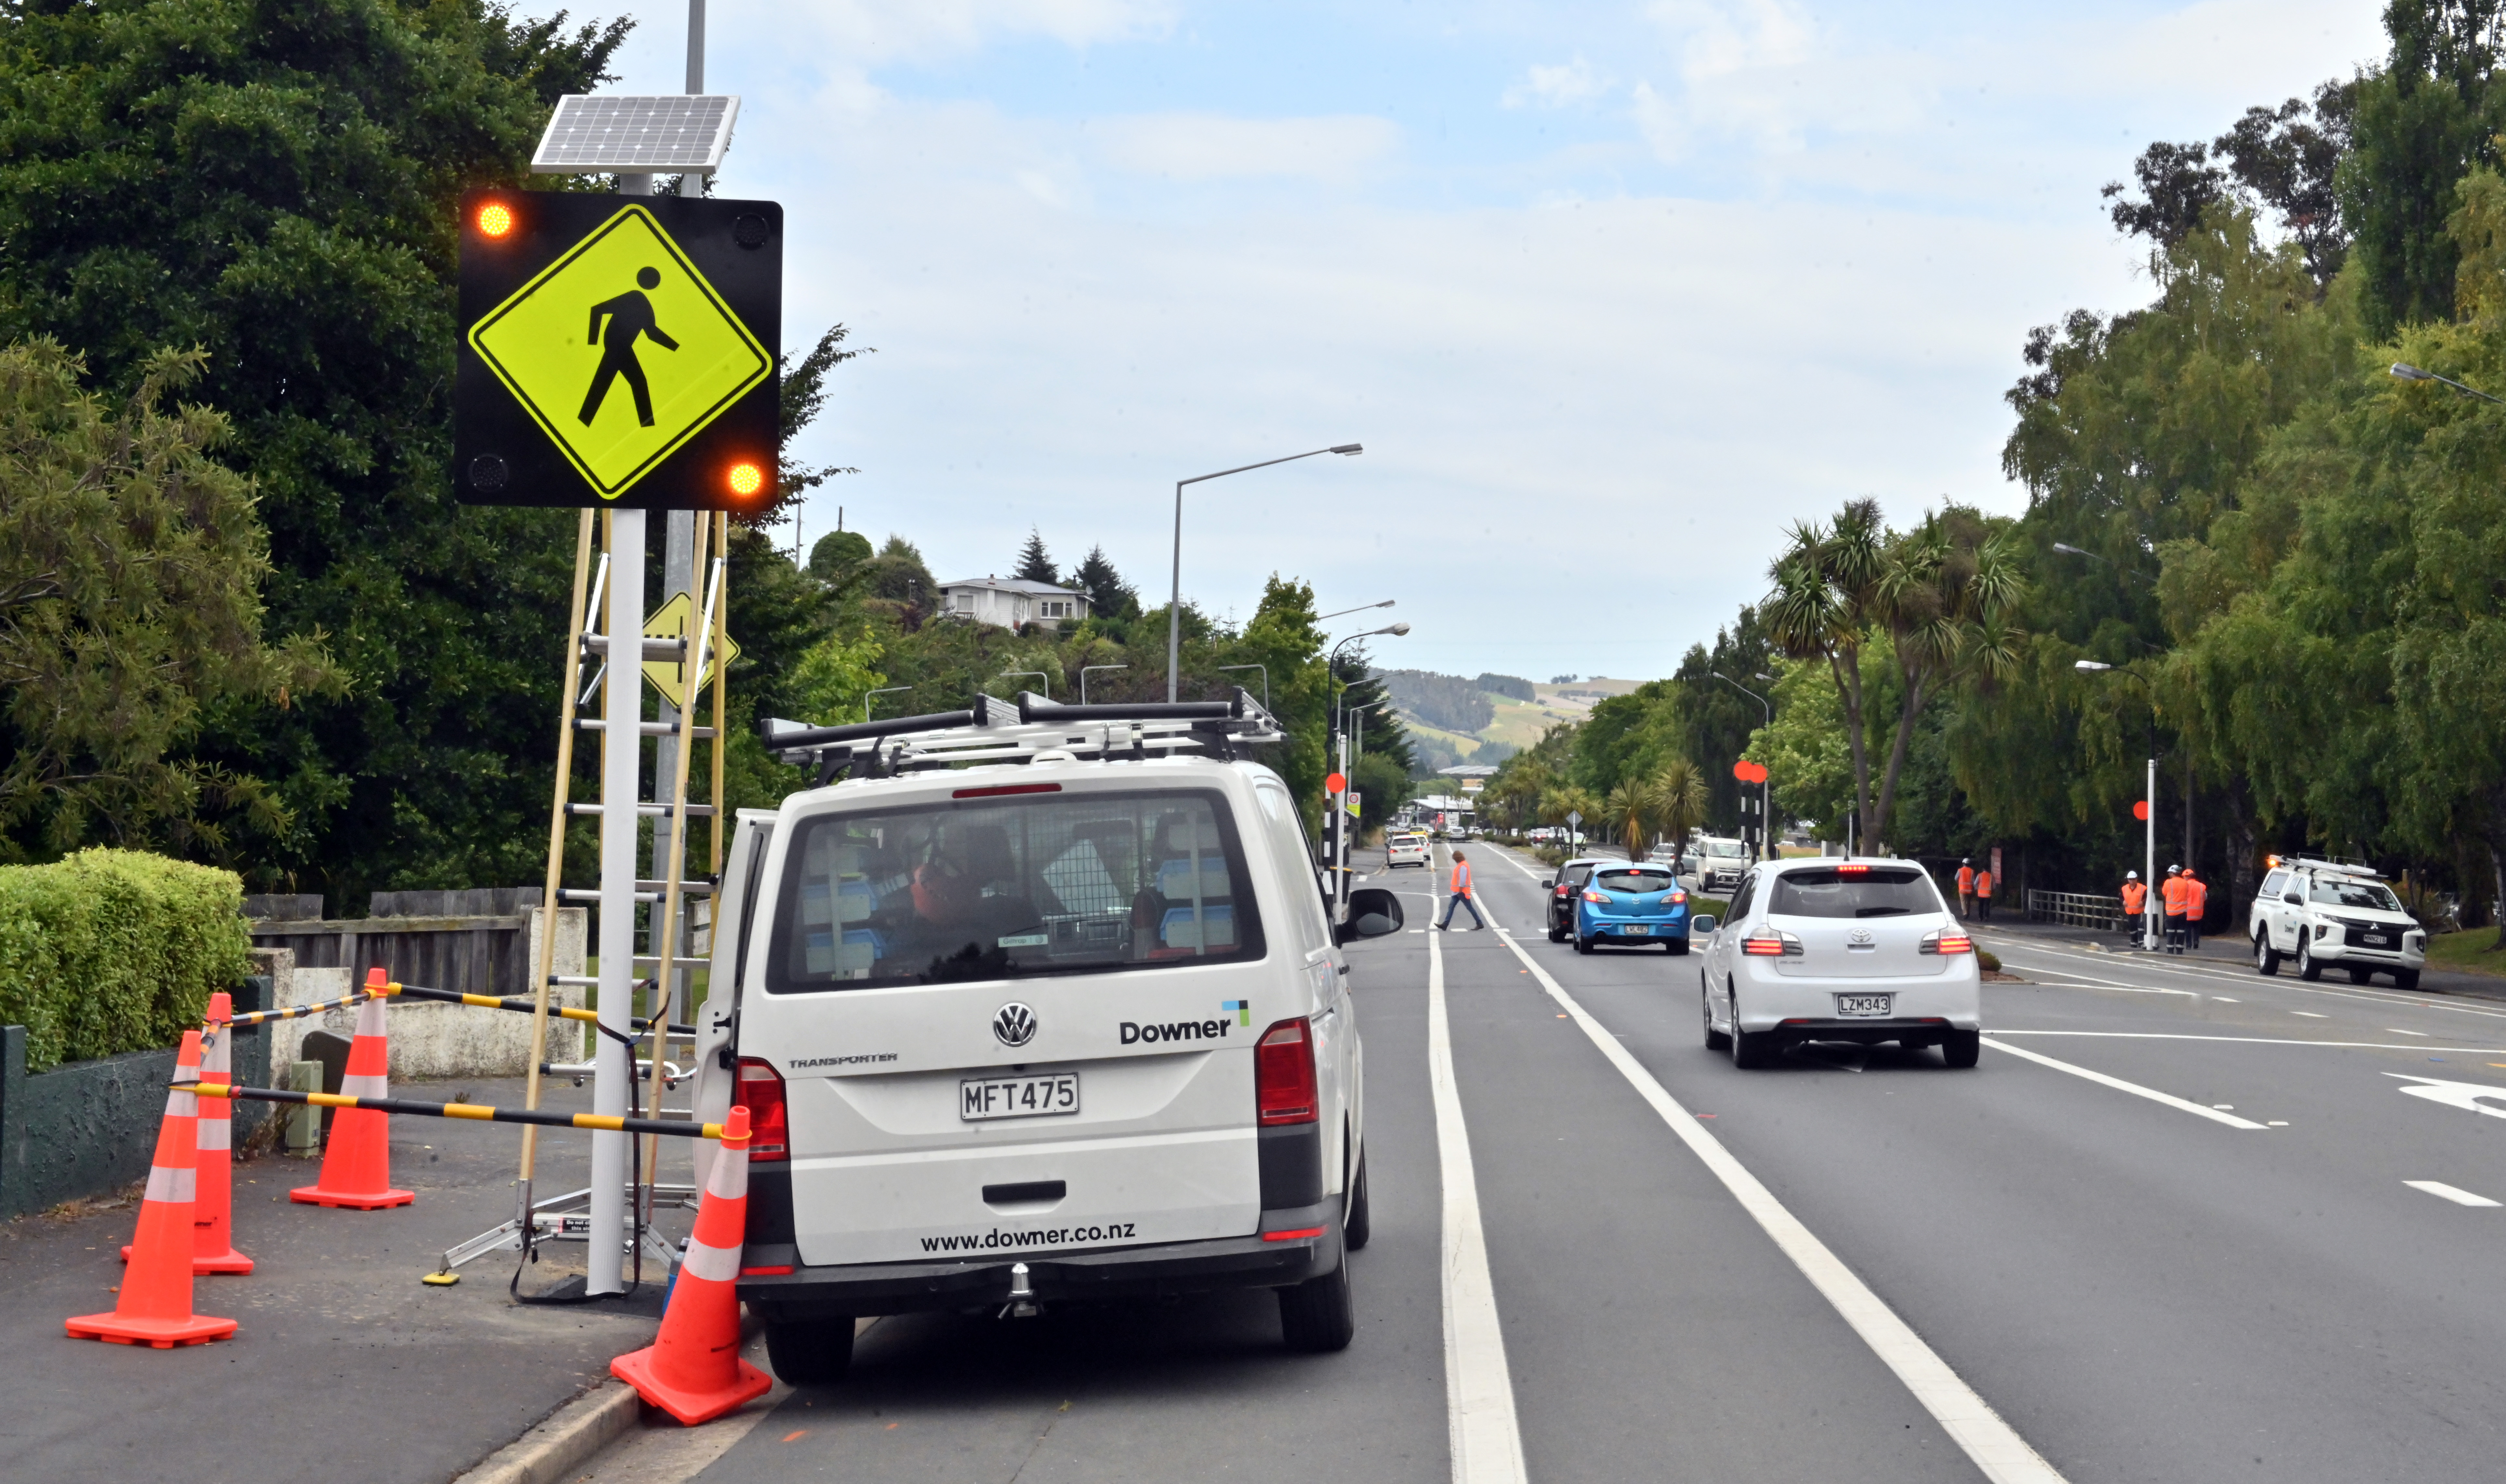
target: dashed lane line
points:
(2120, 1085)
(2445, 1192)
(1486, 1442)
(1997, 1449)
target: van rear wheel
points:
(1319, 1314)
(810, 1352)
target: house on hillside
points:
(1012, 601)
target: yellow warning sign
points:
(669, 676)
(621, 351)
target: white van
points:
(1072, 1023)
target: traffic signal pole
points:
(622, 709)
(2149, 866)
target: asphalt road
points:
(2171, 1241)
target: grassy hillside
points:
(1519, 724)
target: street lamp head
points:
(2068, 550)
(2089, 664)
(1396, 630)
(1348, 448)
(1763, 676)
(2410, 373)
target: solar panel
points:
(607, 134)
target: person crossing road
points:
(1462, 895)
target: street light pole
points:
(2149, 807)
(1339, 807)
(1174, 600)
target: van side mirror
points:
(1372, 913)
(1702, 922)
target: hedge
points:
(114, 951)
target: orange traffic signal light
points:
(495, 219)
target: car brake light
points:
(1852, 870)
(1283, 1074)
(769, 1128)
(1944, 941)
(1770, 943)
(1596, 896)
(1674, 900)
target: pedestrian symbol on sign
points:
(629, 314)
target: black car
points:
(1563, 888)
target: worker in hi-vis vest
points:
(2136, 904)
(1966, 888)
(2197, 902)
(2170, 897)
(1984, 893)
(1462, 896)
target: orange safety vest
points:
(1965, 880)
(2197, 896)
(1984, 884)
(1461, 878)
(2173, 895)
(2136, 896)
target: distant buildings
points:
(1012, 601)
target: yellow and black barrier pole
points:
(519, 1005)
(298, 1012)
(478, 1111)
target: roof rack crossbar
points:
(859, 730)
(1037, 709)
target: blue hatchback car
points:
(1636, 903)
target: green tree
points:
(897, 574)
(2422, 122)
(1679, 792)
(276, 181)
(1630, 812)
(837, 558)
(1109, 597)
(1034, 562)
(130, 569)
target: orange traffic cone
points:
(356, 1167)
(213, 1201)
(155, 1304)
(693, 1369)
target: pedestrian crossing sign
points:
(669, 676)
(617, 350)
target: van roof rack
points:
(2330, 863)
(997, 731)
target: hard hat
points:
(2175, 870)
(2131, 875)
(1966, 861)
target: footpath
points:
(345, 1366)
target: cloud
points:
(892, 30)
(1559, 86)
(1338, 149)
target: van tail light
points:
(1772, 943)
(1945, 941)
(769, 1124)
(1283, 1074)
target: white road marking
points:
(2224, 1000)
(1487, 1444)
(2399, 1031)
(2309, 1014)
(1997, 1449)
(2468, 1095)
(2445, 1192)
(2120, 1085)
(2417, 999)
(2255, 1041)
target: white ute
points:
(2319, 912)
(1039, 1004)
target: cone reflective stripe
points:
(155, 1307)
(356, 1168)
(692, 1370)
(213, 1217)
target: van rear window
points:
(1872, 891)
(1011, 887)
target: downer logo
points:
(1174, 1030)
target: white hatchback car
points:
(1819, 950)
(1070, 1024)
(1406, 850)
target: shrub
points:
(113, 951)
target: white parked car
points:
(1818, 950)
(1406, 850)
(1053, 1027)
(2320, 912)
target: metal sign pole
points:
(622, 768)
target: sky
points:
(1611, 293)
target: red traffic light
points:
(1748, 771)
(2140, 809)
(1334, 784)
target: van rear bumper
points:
(857, 1290)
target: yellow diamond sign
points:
(621, 351)
(669, 676)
